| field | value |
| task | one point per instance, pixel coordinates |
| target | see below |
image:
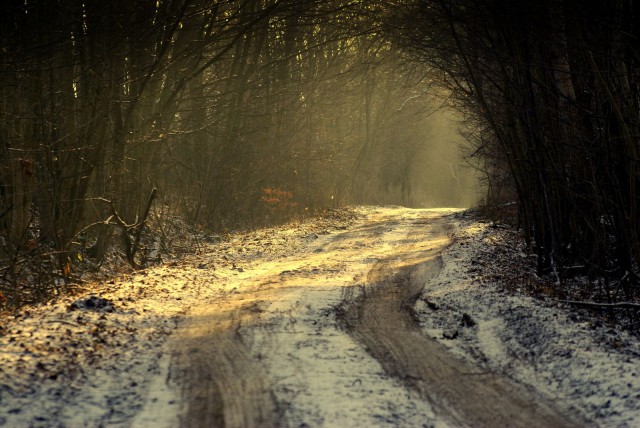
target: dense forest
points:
(551, 93)
(242, 113)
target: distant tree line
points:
(230, 113)
(551, 93)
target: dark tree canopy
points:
(551, 93)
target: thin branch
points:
(621, 305)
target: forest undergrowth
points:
(511, 264)
(33, 275)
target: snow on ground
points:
(88, 366)
(321, 376)
(92, 366)
(96, 366)
(574, 359)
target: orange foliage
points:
(66, 269)
(277, 199)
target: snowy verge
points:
(81, 361)
(579, 362)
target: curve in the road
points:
(381, 320)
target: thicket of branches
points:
(244, 112)
(551, 90)
(229, 113)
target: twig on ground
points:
(621, 305)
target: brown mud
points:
(221, 384)
(381, 319)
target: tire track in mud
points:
(381, 319)
(221, 384)
(226, 380)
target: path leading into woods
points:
(328, 337)
(385, 318)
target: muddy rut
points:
(226, 378)
(221, 384)
(381, 320)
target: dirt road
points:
(327, 337)
(363, 317)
